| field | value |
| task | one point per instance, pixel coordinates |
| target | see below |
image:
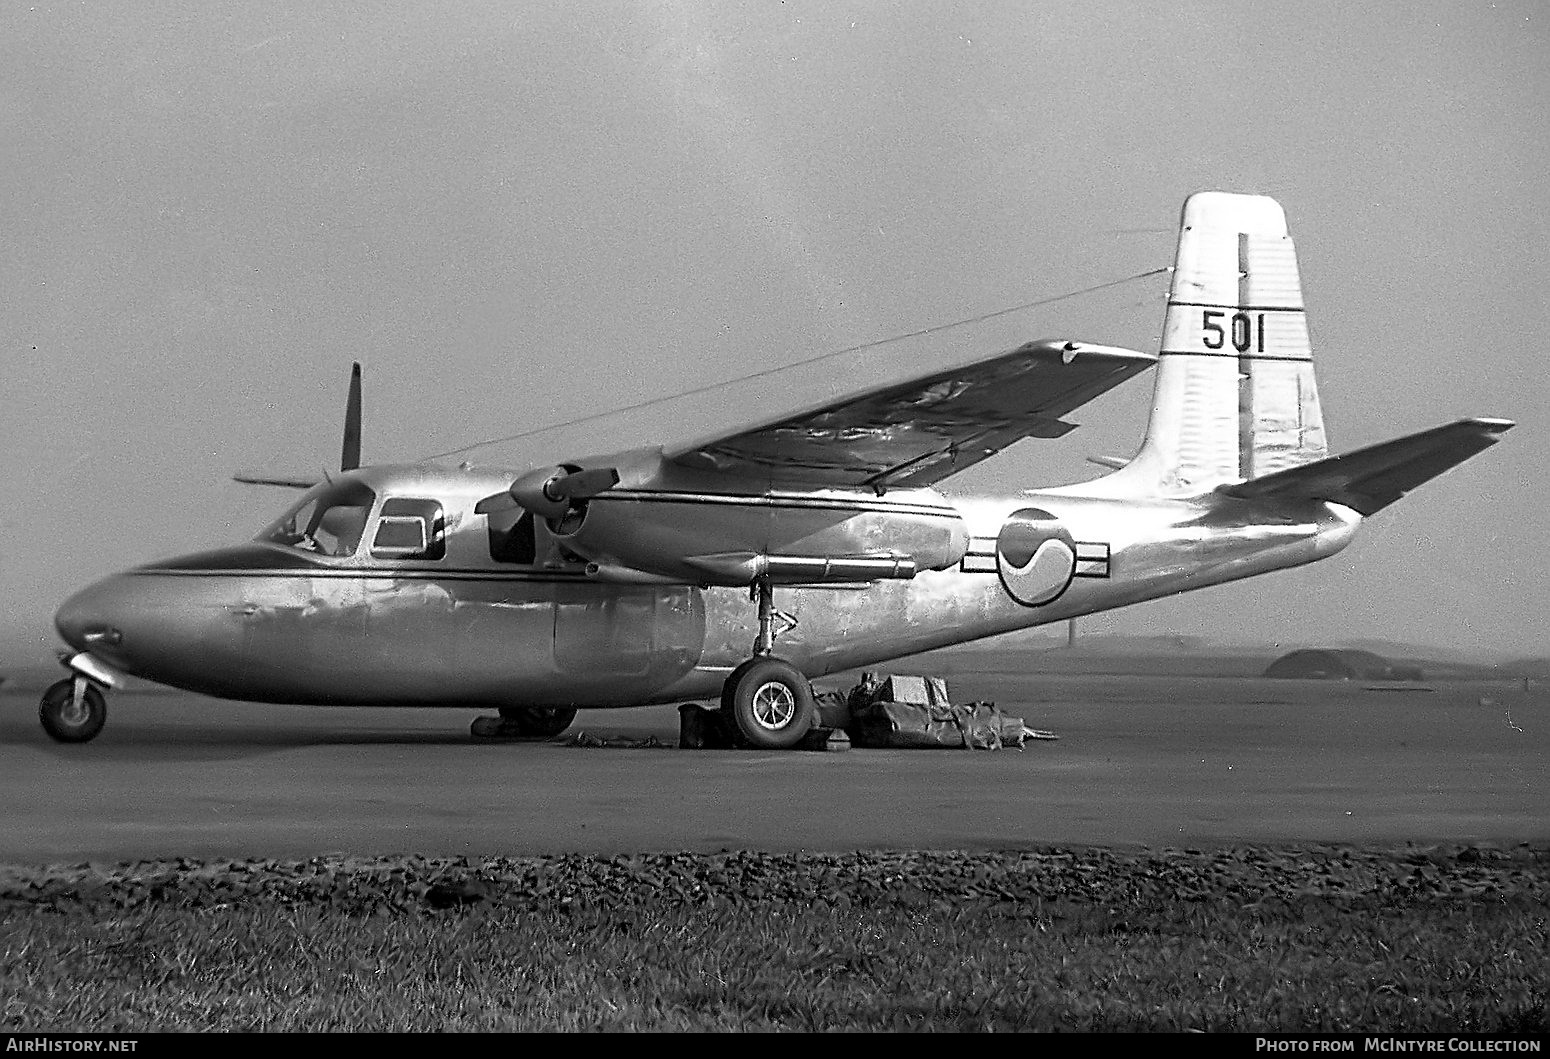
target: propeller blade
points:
(350, 457)
(495, 503)
(583, 485)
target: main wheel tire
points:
(771, 702)
(538, 722)
(66, 722)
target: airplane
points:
(652, 576)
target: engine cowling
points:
(803, 538)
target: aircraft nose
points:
(88, 620)
(163, 622)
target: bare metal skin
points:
(246, 623)
(745, 564)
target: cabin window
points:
(409, 529)
(512, 537)
(329, 520)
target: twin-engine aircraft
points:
(745, 564)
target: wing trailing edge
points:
(1371, 479)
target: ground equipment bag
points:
(977, 725)
(700, 728)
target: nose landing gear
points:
(768, 697)
(73, 710)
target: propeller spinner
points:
(551, 492)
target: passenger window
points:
(512, 537)
(410, 529)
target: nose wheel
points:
(73, 710)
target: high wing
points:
(917, 432)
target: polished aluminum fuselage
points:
(263, 622)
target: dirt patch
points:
(355, 884)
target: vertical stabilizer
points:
(1235, 397)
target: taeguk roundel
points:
(1035, 556)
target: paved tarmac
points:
(1142, 761)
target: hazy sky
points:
(515, 214)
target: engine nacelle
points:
(727, 538)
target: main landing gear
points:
(73, 710)
(768, 697)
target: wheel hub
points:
(74, 711)
(774, 706)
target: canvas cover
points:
(903, 725)
(903, 711)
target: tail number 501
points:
(1245, 332)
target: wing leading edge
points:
(917, 432)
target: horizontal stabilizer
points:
(286, 481)
(1113, 463)
(1371, 479)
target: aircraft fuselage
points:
(266, 621)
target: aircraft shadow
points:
(195, 745)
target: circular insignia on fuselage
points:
(1035, 556)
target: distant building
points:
(1339, 664)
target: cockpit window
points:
(328, 520)
(409, 529)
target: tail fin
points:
(1235, 396)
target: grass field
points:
(1327, 939)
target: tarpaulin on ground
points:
(974, 725)
(910, 711)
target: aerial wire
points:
(710, 387)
